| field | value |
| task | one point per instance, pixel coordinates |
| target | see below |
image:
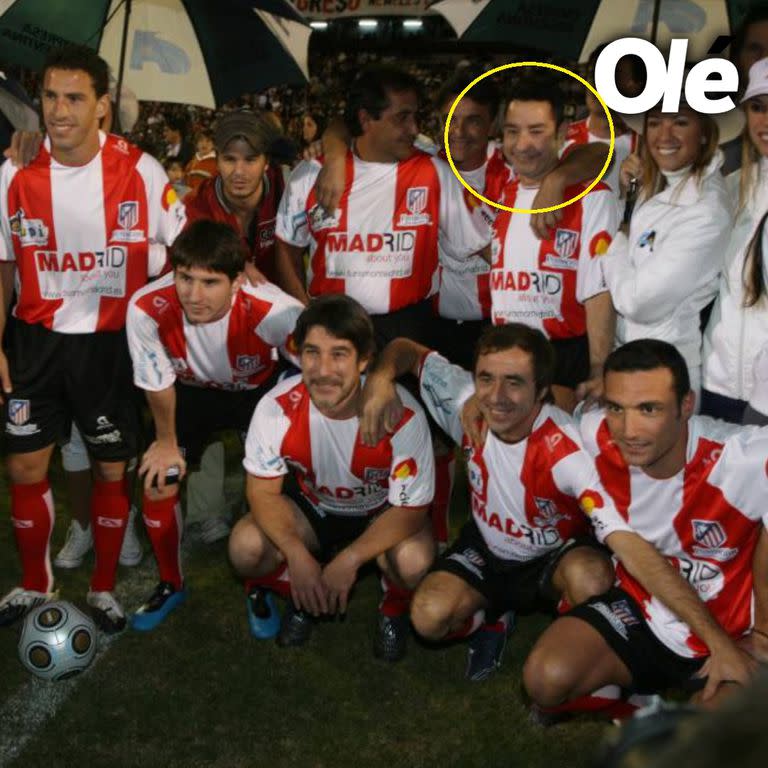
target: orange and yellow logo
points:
(404, 470)
(589, 501)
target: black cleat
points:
(390, 640)
(295, 627)
(485, 649)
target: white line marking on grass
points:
(37, 701)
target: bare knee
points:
(109, 471)
(547, 676)
(410, 561)
(431, 614)
(27, 468)
(584, 573)
(250, 552)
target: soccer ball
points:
(57, 641)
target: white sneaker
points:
(76, 546)
(131, 552)
(19, 601)
(106, 611)
(214, 529)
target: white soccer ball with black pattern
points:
(57, 640)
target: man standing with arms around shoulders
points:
(76, 228)
(323, 503)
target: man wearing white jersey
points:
(76, 225)
(203, 343)
(322, 502)
(553, 284)
(695, 489)
(528, 543)
(380, 246)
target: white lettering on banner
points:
(665, 79)
(329, 9)
(87, 273)
(385, 254)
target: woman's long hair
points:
(752, 271)
(654, 180)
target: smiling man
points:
(204, 347)
(323, 504)
(528, 543)
(76, 224)
(695, 489)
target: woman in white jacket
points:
(738, 328)
(665, 270)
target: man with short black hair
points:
(79, 227)
(693, 488)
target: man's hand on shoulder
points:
(24, 147)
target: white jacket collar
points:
(686, 190)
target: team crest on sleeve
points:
(319, 218)
(29, 231)
(416, 202)
(565, 243)
(710, 537)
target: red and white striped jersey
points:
(706, 520)
(236, 352)
(335, 470)
(625, 145)
(464, 292)
(544, 283)
(381, 245)
(526, 497)
(81, 235)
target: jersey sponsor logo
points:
(109, 522)
(266, 236)
(707, 579)
(181, 368)
(416, 202)
(247, 365)
(128, 218)
(711, 535)
(16, 523)
(548, 513)
(404, 470)
(475, 476)
(169, 198)
(553, 441)
(160, 304)
(122, 146)
(29, 231)
(536, 537)
(589, 501)
(19, 412)
(546, 283)
(84, 273)
(320, 219)
(376, 254)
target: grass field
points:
(199, 691)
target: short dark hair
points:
(176, 123)
(498, 338)
(71, 57)
(210, 245)
(647, 355)
(370, 91)
(342, 317)
(540, 88)
(486, 92)
(755, 15)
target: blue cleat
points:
(263, 616)
(160, 603)
(486, 648)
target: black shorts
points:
(59, 378)
(201, 412)
(654, 667)
(522, 586)
(333, 532)
(416, 322)
(456, 339)
(571, 361)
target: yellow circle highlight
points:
(530, 210)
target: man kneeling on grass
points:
(322, 503)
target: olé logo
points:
(665, 80)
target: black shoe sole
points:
(105, 624)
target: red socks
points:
(32, 518)
(109, 516)
(162, 518)
(395, 601)
(278, 581)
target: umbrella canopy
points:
(185, 51)
(574, 29)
